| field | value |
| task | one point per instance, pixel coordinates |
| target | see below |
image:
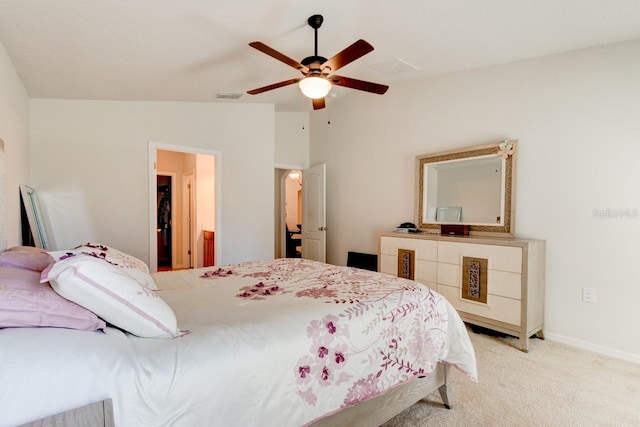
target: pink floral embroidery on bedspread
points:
(394, 328)
(406, 340)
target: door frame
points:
(188, 230)
(153, 148)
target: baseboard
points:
(585, 345)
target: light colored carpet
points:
(552, 385)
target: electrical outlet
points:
(589, 295)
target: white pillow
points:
(133, 266)
(113, 295)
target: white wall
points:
(291, 152)
(206, 197)
(14, 131)
(577, 119)
(292, 140)
(89, 162)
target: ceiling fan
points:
(317, 70)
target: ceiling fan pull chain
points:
(302, 109)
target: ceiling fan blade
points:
(318, 103)
(273, 86)
(279, 56)
(359, 84)
(348, 55)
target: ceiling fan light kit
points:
(318, 71)
(315, 87)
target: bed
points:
(286, 342)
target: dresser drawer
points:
(389, 264)
(498, 308)
(501, 283)
(502, 258)
(424, 249)
(425, 271)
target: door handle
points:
(322, 228)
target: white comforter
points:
(281, 343)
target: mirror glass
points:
(471, 186)
(32, 211)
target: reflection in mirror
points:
(473, 186)
(448, 214)
(474, 183)
(35, 235)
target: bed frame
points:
(376, 411)
(98, 414)
(368, 413)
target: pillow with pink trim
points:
(25, 302)
(112, 294)
(26, 257)
(133, 266)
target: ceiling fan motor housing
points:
(314, 63)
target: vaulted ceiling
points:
(191, 50)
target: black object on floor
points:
(364, 261)
(485, 331)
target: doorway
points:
(301, 210)
(190, 179)
(164, 187)
(288, 213)
(293, 214)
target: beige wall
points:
(14, 131)
(577, 119)
(292, 140)
(206, 200)
(90, 165)
(292, 132)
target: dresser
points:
(496, 283)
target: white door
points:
(314, 227)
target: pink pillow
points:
(25, 249)
(24, 302)
(26, 257)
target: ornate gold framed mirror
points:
(474, 186)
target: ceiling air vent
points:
(228, 95)
(396, 67)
